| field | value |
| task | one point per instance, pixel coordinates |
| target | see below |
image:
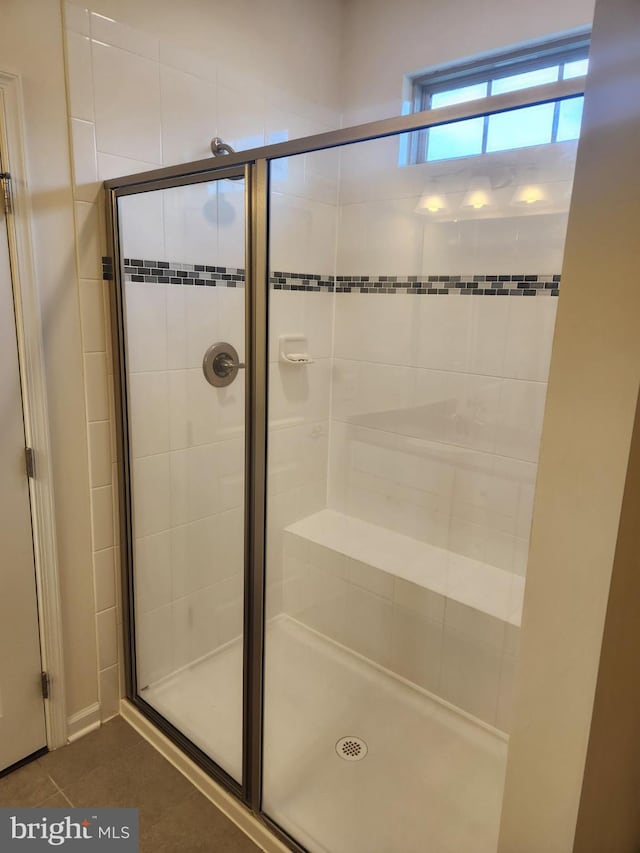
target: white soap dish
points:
(294, 349)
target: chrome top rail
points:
(534, 96)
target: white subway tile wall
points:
(79, 70)
(420, 414)
(85, 162)
(136, 102)
(442, 386)
(92, 302)
(450, 649)
(435, 414)
(105, 582)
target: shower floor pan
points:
(431, 780)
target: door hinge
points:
(45, 684)
(30, 462)
(5, 187)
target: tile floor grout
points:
(60, 790)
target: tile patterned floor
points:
(114, 766)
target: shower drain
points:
(351, 748)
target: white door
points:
(22, 726)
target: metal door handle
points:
(221, 364)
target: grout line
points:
(337, 358)
(112, 44)
(59, 789)
(441, 370)
(409, 443)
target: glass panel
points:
(404, 424)
(461, 139)
(459, 96)
(575, 69)
(515, 82)
(520, 128)
(183, 292)
(570, 119)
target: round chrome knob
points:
(221, 364)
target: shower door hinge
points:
(30, 462)
(45, 684)
(5, 187)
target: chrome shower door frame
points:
(252, 521)
(253, 165)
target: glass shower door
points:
(183, 254)
(411, 317)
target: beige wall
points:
(609, 815)
(587, 434)
(31, 46)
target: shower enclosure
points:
(331, 371)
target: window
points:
(508, 72)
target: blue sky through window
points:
(536, 125)
(459, 96)
(520, 128)
(456, 140)
(570, 119)
(516, 82)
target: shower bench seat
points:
(478, 585)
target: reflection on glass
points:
(578, 68)
(401, 471)
(503, 131)
(460, 139)
(187, 457)
(570, 119)
(515, 82)
(458, 96)
(519, 128)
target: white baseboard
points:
(227, 803)
(85, 721)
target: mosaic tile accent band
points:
(465, 285)
(302, 281)
(165, 272)
(107, 268)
